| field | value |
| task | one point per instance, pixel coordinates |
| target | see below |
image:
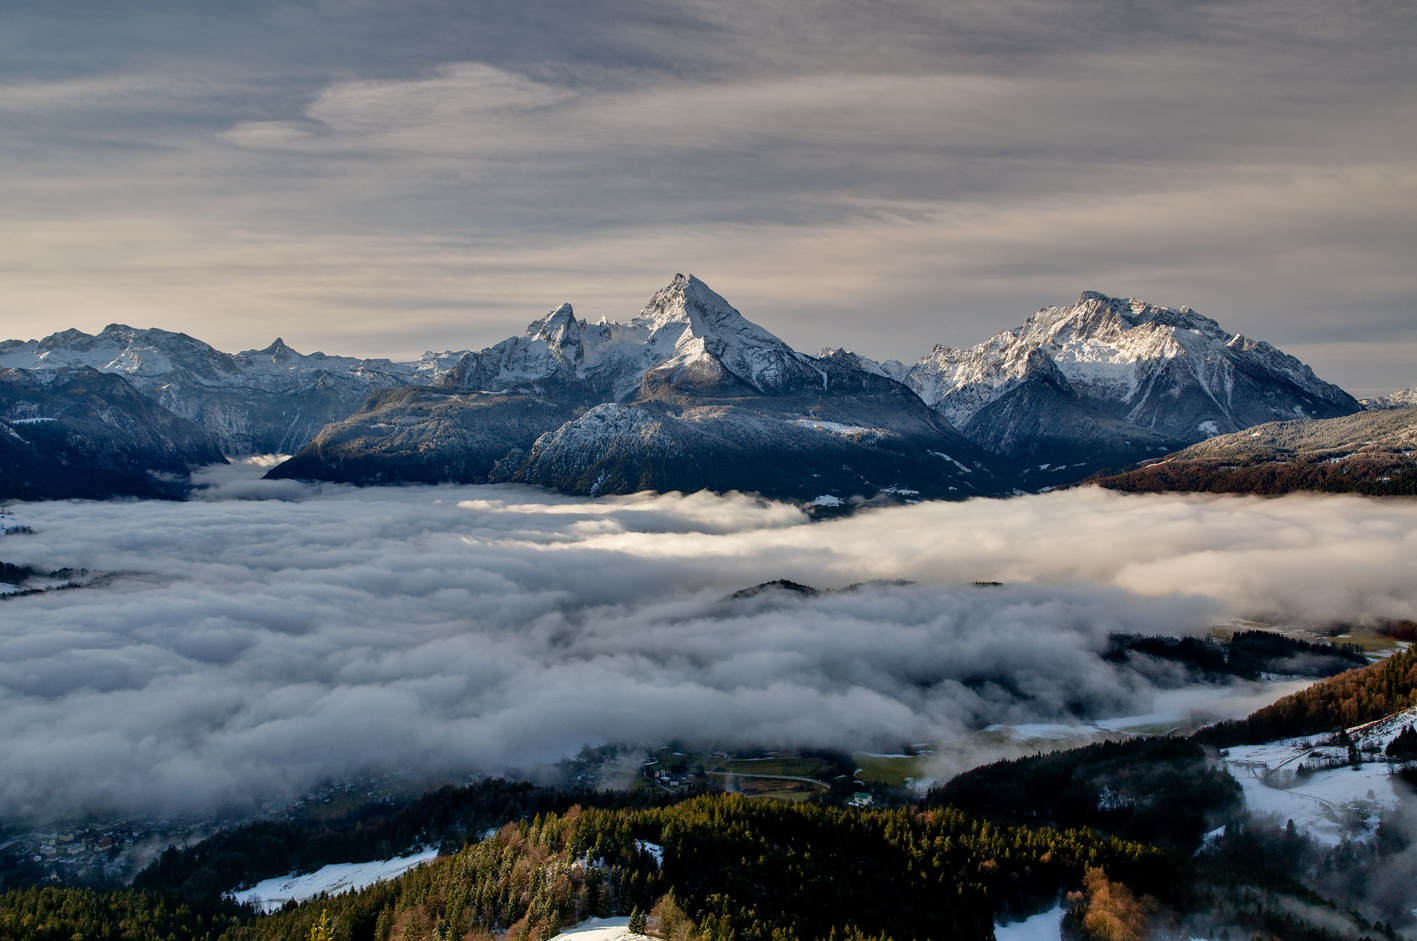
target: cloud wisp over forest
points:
(275, 635)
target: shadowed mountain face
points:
(1373, 452)
(259, 401)
(1112, 381)
(82, 433)
(686, 396)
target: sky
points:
(382, 178)
(271, 636)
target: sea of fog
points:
(265, 637)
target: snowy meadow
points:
(265, 637)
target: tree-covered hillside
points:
(1343, 701)
(740, 869)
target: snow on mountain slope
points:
(705, 325)
(334, 879)
(1102, 384)
(78, 432)
(685, 335)
(274, 399)
(151, 357)
(1168, 370)
(1406, 398)
(687, 395)
(612, 928)
(624, 448)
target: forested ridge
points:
(1247, 654)
(449, 817)
(1352, 698)
(741, 869)
(1162, 791)
(1379, 476)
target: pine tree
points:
(1404, 746)
(323, 930)
(637, 922)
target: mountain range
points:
(687, 395)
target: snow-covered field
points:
(335, 879)
(1326, 803)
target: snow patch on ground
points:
(941, 454)
(335, 879)
(615, 928)
(836, 428)
(1045, 926)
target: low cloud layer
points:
(278, 634)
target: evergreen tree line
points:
(1161, 791)
(447, 817)
(1247, 655)
(1352, 698)
(737, 868)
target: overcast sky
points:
(382, 178)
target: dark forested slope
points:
(1343, 701)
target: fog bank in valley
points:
(272, 635)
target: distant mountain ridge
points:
(690, 394)
(1405, 398)
(257, 401)
(686, 337)
(1114, 381)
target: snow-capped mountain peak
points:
(270, 399)
(686, 299)
(558, 328)
(279, 352)
(716, 331)
(1170, 370)
(136, 353)
(686, 335)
